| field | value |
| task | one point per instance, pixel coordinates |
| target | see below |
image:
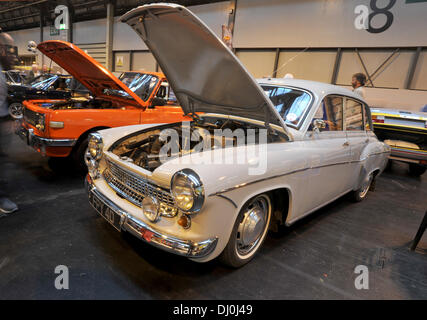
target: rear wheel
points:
(361, 193)
(416, 169)
(15, 110)
(249, 232)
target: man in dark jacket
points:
(8, 57)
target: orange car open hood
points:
(88, 71)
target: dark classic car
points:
(406, 133)
(46, 86)
(14, 77)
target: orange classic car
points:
(60, 127)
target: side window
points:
(330, 111)
(368, 118)
(353, 116)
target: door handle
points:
(346, 144)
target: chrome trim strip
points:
(407, 160)
(152, 236)
(226, 198)
(256, 181)
(289, 173)
(408, 154)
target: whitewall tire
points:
(249, 231)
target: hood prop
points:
(196, 118)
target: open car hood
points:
(88, 71)
(203, 72)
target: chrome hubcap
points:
(365, 186)
(15, 110)
(252, 227)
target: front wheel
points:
(416, 169)
(361, 193)
(15, 110)
(79, 156)
(249, 232)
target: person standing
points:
(34, 72)
(8, 57)
(45, 69)
(358, 83)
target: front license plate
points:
(105, 211)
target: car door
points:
(357, 137)
(329, 154)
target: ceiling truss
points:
(18, 15)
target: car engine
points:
(144, 148)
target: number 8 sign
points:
(364, 18)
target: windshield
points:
(290, 103)
(141, 84)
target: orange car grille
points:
(30, 116)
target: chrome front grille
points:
(30, 116)
(132, 187)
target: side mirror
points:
(157, 102)
(318, 125)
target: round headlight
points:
(95, 146)
(150, 207)
(187, 190)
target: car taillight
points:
(378, 119)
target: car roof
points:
(318, 88)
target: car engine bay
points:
(144, 148)
(79, 103)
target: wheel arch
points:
(85, 134)
(281, 201)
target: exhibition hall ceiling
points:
(16, 15)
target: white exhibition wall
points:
(325, 23)
(308, 33)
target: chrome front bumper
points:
(122, 220)
(28, 136)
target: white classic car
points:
(254, 154)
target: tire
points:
(243, 244)
(389, 165)
(59, 165)
(416, 169)
(361, 193)
(15, 110)
(78, 156)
